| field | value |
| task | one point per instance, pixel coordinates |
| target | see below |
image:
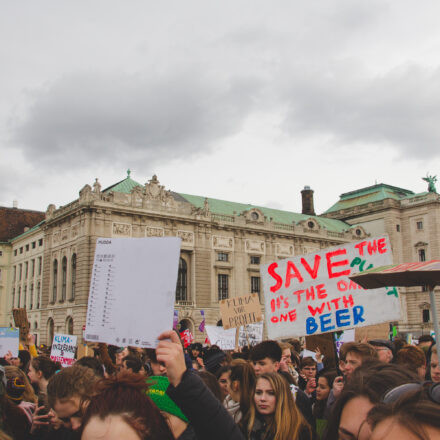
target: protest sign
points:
(132, 290)
(240, 310)
(312, 294)
(251, 334)
(186, 337)
(63, 349)
(9, 341)
(225, 339)
(21, 321)
(343, 337)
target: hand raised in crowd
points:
(39, 420)
(311, 386)
(30, 339)
(319, 355)
(170, 352)
(338, 386)
(8, 356)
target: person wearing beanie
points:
(176, 419)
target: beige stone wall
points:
(5, 274)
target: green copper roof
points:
(124, 186)
(229, 208)
(369, 194)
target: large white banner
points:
(132, 290)
(312, 294)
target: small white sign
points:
(132, 290)
(225, 339)
(9, 341)
(63, 349)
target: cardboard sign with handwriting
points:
(241, 310)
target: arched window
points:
(69, 325)
(63, 278)
(181, 290)
(31, 297)
(73, 279)
(38, 294)
(55, 280)
(50, 331)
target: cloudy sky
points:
(240, 100)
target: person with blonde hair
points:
(267, 417)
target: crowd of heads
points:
(371, 390)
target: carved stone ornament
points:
(50, 210)
(97, 187)
(64, 234)
(254, 215)
(205, 211)
(74, 230)
(284, 249)
(187, 237)
(220, 242)
(121, 229)
(56, 237)
(151, 231)
(255, 246)
(154, 191)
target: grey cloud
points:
(400, 108)
(83, 117)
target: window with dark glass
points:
(419, 225)
(425, 315)
(20, 268)
(73, 277)
(40, 261)
(182, 282)
(55, 280)
(63, 278)
(15, 252)
(398, 228)
(222, 286)
(255, 259)
(19, 297)
(32, 268)
(255, 285)
(40, 242)
(422, 256)
(24, 296)
(26, 271)
(27, 247)
(31, 297)
(38, 294)
(222, 256)
(33, 244)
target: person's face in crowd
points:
(113, 427)
(69, 411)
(389, 429)
(421, 372)
(323, 389)
(34, 375)
(352, 361)
(342, 366)
(286, 356)
(120, 356)
(435, 368)
(125, 368)
(266, 365)
(158, 369)
(195, 353)
(223, 381)
(353, 424)
(264, 398)
(384, 354)
(309, 371)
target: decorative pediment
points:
(155, 191)
(310, 223)
(358, 232)
(420, 244)
(425, 306)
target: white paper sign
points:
(63, 349)
(225, 339)
(312, 294)
(9, 340)
(132, 290)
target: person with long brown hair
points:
(273, 414)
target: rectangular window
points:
(40, 242)
(255, 285)
(425, 315)
(222, 256)
(26, 267)
(27, 248)
(21, 250)
(419, 225)
(34, 244)
(1, 253)
(19, 271)
(255, 259)
(15, 252)
(422, 256)
(14, 276)
(40, 261)
(32, 268)
(398, 228)
(222, 287)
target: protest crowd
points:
(379, 389)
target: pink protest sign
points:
(312, 294)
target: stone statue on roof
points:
(431, 182)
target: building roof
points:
(13, 221)
(369, 194)
(224, 207)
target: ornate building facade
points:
(412, 222)
(223, 244)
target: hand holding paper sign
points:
(170, 352)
